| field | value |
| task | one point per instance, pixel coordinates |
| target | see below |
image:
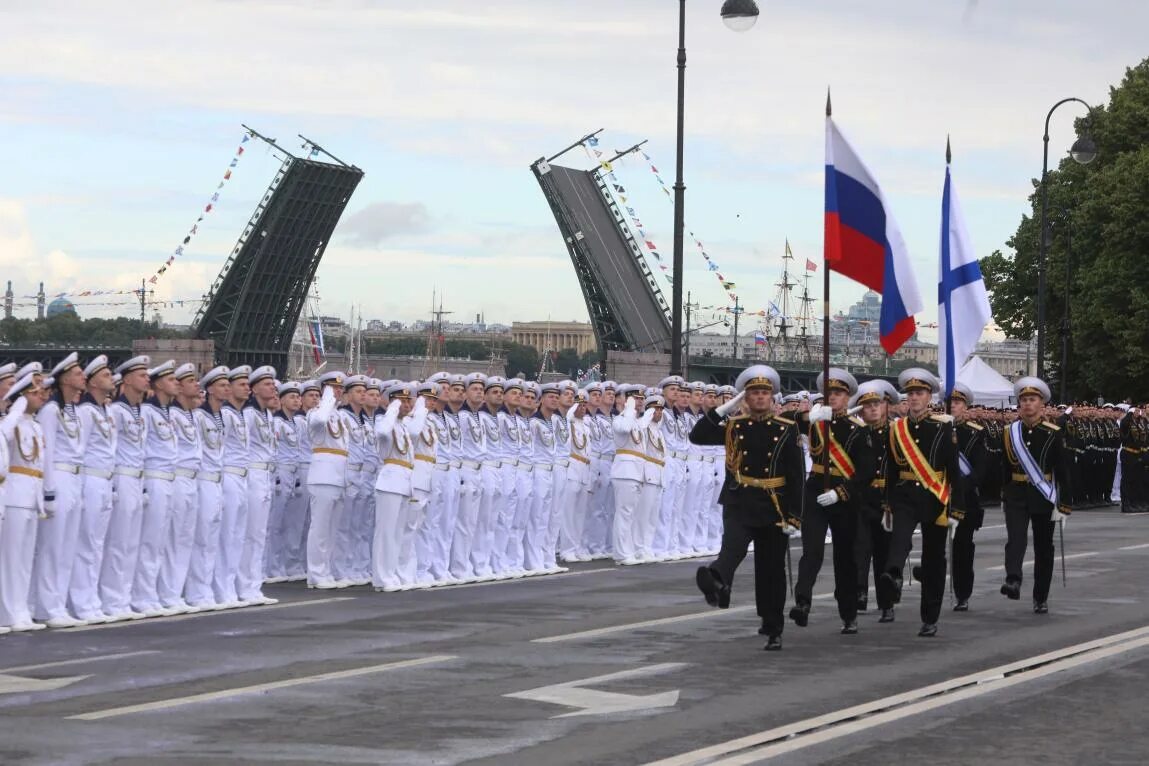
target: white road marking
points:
(244, 610)
(78, 660)
(21, 685)
(538, 578)
(812, 731)
(594, 702)
(97, 715)
(1134, 547)
(1029, 562)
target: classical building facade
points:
(554, 336)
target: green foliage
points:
(1098, 220)
(68, 329)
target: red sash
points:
(838, 455)
(930, 479)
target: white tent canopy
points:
(990, 388)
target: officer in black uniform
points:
(966, 501)
(1134, 431)
(761, 500)
(1025, 502)
(872, 546)
(843, 468)
(918, 491)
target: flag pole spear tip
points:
(948, 153)
(828, 101)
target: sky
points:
(121, 118)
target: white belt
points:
(528, 467)
(259, 466)
(211, 476)
(442, 466)
(491, 464)
(185, 473)
(473, 464)
(563, 463)
(679, 455)
(709, 458)
(695, 457)
(456, 464)
(544, 466)
(131, 473)
(67, 467)
(354, 466)
(241, 472)
(163, 475)
(511, 463)
(98, 473)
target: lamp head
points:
(739, 15)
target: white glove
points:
(394, 406)
(951, 522)
(790, 530)
(854, 410)
(944, 418)
(49, 509)
(820, 412)
(1058, 516)
(827, 498)
(888, 521)
(629, 407)
(1069, 410)
(571, 412)
(730, 406)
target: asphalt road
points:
(602, 666)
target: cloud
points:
(381, 221)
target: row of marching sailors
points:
(886, 477)
(145, 503)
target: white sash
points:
(1048, 489)
(963, 464)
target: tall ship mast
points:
(780, 310)
(804, 342)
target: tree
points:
(1098, 221)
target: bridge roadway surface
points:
(639, 670)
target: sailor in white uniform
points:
(208, 418)
(348, 523)
(393, 488)
(507, 426)
(261, 452)
(326, 480)
(185, 493)
(413, 571)
(600, 526)
(433, 542)
(491, 523)
(233, 520)
(628, 472)
(285, 483)
(297, 512)
(473, 452)
(524, 480)
(579, 480)
(542, 507)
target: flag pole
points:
(948, 389)
(826, 335)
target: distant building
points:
(555, 336)
(59, 307)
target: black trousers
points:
(871, 551)
(842, 521)
(770, 544)
(1018, 518)
(963, 554)
(907, 516)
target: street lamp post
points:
(1083, 151)
(1064, 372)
(738, 15)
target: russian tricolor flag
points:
(863, 241)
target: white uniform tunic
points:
(628, 472)
(233, 519)
(295, 523)
(99, 463)
(543, 505)
(580, 485)
(159, 473)
(344, 561)
(473, 449)
(326, 479)
(286, 478)
(121, 546)
(261, 450)
(184, 509)
(209, 508)
(24, 502)
(392, 497)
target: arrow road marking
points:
(595, 702)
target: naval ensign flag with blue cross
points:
(963, 306)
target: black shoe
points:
(916, 572)
(713, 590)
(762, 630)
(773, 644)
(863, 604)
(1011, 589)
(850, 627)
(929, 630)
(800, 614)
(1040, 607)
(887, 615)
(892, 585)
(962, 605)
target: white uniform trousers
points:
(295, 522)
(122, 545)
(555, 525)
(364, 528)
(646, 521)
(713, 540)
(232, 523)
(180, 541)
(56, 549)
(347, 524)
(17, 546)
(600, 525)
(249, 581)
(84, 590)
(466, 522)
(573, 512)
(446, 536)
(539, 521)
(274, 552)
(672, 508)
(391, 511)
(153, 535)
(504, 518)
(429, 567)
(205, 545)
(524, 501)
(408, 556)
(695, 494)
(326, 508)
(487, 522)
(627, 500)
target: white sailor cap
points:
(117, 379)
(428, 388)
(671, 380)
(32, 368)
(474, 377)
(495, 381)
(94, 366)
(1031, 385)
(513, 383)
(581, 396)
(963, 392)
(288, 387)
(531, 387)
(8, 371)
(632, 389)
(262, 373)
(332, 378)
(549, 388)
(727, 391)
(456, 380)
(594, 388)
(400, 390)
(48, 382)
(839, 380)
(186, 370)
(917, 377)
(386, 384)
(439, 377)
(213, 375)
(70, 361)
(351, 381)
(142, 362)
(240, 373)
(20, 386)
(697, 385)
(567, 385)
(650, 391)
(162, 370)
(759, 376)
(870, 391)
(309, 385)
(712, 388)
(374, 384)
(609, 385)
(654, 401)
